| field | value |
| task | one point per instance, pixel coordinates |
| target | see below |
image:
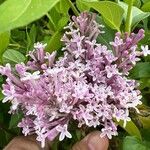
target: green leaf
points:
(16, 13)
(145, 122)
(137, 14)
(146, 7)
(132, 143)
(106, 37)
(1, 1)
(56, 20)
(8, 136)
(54, 17)
(81, 6)
(128, 1)
(131, 128)
(62, 22)
(1, 117)
(89, 1)
(145, 1)
(3, 140)
(144, 83)
(145, 135)
(141, 70)
(15, 120)
(111, 12)
(1, 95)
(78, 134)
(146, 39)
(64, 7)
(13, 56)
(4, 41)
(31, 37)
(54, 42)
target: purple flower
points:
(63, 132)
(8, 91)
(124, 50)
(29, 76)
(108, 131)
(118, 41)
(88, 84)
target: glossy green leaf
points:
(146, 7)
(4, 41)
(111, 11)
(131, 128)
(132, 143)
(141, 70)
(137, 14)
(13, 56)
(16, 13)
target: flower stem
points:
(73, 8)
(129, 19)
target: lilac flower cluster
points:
(125, 50)
(88, 84)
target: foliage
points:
(24, 22)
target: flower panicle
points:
(87, 84)
(124, 49)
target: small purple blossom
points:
(88, 84)
(63, 132)
(29, 76)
